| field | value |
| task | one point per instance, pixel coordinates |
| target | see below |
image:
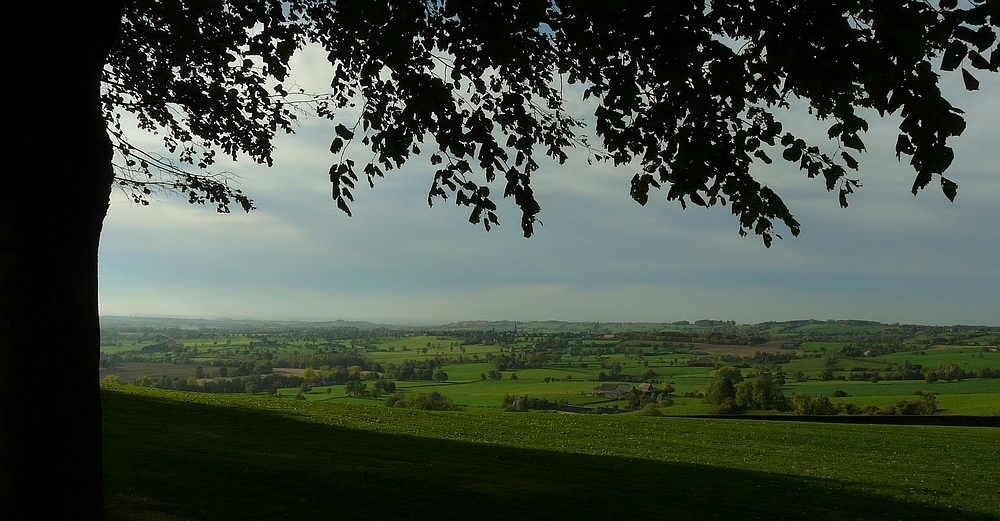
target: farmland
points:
(197, 456)
(860, 366)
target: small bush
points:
(727, 406)
(395, 400)
(650, 409)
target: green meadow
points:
(176, 456)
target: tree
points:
(690, 90)
(730, 373)
(720, 391)
(760, 393)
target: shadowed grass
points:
(178, 456)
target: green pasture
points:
(687, 407)
(970, 404)
(893, 387)
(988, 339)
(471, 371)
(968, 358)
(829, 347)
(490, 393)
(833, 328)
(948, 404)
(398, 356)
(117, 347)
(859, 364)
(472, 394)
(810, 366)
(187, 456)
(419, 341)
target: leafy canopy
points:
(689, 91)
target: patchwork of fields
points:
(568, 367)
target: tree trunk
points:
(53, 200)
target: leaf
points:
(903, 146)
(853, 141)
(336, 146)
(949, 187)
(971, 83)
(923, 177)
(851, 162)
(343, 132)
(343, 206)
(978, 61)
(954, 55)
(760, 154)
(640, 188)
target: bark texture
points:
(53, 199)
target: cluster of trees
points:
(637, 399)
(317, 360)
(493, 374)
(524, 403)
(909, 371)
(415, 370)
(360, 389)
(722, 333)
(730, 393)
(249, 365)
(326, 375)
(432, 401)
(802, 403)
(533, 359)
(760, 358)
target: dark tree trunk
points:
(53, 198)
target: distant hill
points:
(229, 323)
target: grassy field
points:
(186, 456)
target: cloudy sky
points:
(599, 256)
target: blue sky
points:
(598, 256)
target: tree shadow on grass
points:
(172, 460)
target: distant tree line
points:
(242, 384)
(414, 370)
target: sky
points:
(598, 255)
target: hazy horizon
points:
(466, 321)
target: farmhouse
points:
(612, 390)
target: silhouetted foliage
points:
(690, 90)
